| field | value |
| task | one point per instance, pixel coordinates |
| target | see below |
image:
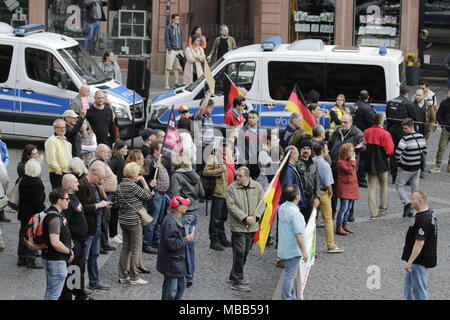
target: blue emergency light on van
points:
(28, 29)
(271, 43)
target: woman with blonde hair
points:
(78, 168)
(347, 187)
(130, 198)
(337, 112)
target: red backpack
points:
(35, 238)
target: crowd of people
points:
(99, 185)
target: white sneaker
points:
(167, 87)
(116, 240)
(138, 282)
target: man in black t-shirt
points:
(420, 250)
(59, 244)
(79, 232)
(101, 118)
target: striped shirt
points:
(130, 198)
(207, 129)
(409, 151)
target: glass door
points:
(434, 32)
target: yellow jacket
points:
(58, 153)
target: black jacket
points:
(76, 219)
(87, 198)
(363, 114)
(310, 177)
(354, 136)
(117, 163)
(91, 10)
(420, 115)
(172, 261)
(443, 114)
(74, 137)
(31, 198)
(399, 109)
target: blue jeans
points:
(344, 210)
(91, 30)
(288, 291)
(56, 272)
(189, 221)
(416, 283)
(93, 252)
(173, 288)
(423, 162)
(155, 208)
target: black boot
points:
(3, 218)
(215, 245)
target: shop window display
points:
(128, 24)
(14, 12)
(313, 20)
(377, 23)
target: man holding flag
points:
(243, 199)
(291, 230)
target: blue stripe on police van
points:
(36, 102)
(124, 93)
(166, 95)
(6, 99)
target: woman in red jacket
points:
(347, 186)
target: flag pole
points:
(271, 182)
(162, 147)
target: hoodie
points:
(186, 183)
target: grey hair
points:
(77, 166)
(245, 170)
(101, 147)
(294, 115)
(97, 168)
(223, 26)
(317, 131)
(33, 168)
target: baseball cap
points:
(183, 108)
(178, 201)
(147, 133)
(69, 113)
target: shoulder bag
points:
(145, 217)
(13, 197)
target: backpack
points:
(35, 237)
(209, 184)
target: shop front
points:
(126, 33)
(14, 12)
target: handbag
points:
(145, 217)
(13, 197)
(181, 59)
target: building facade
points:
(136, 27)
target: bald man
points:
(58, 152)
(81, 101)
(79, 232)
(101, 119)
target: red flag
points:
(297, 103)
(172, 141)
(230, 92)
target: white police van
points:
(269, 71)
(41, 73)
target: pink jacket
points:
(188, 76)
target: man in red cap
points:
(172, 260)
(185, 118)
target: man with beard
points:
(309, 177)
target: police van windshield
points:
(194, 84)
(83, 65)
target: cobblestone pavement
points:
(342, 276)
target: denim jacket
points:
(172, 39)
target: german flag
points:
(272, 199)
(297, 103)
(230, 92)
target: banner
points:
(209, 78)
(172, 141)
(310, 246)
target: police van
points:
(269, 71)
(40, 75)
